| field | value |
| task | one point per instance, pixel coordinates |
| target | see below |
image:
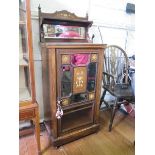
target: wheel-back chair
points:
(115, 79)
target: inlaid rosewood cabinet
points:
(28, 107)
(72, 75)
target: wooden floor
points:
(120, 141)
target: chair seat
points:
(121, 92)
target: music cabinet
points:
(72, 74)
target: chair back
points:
(115, 65)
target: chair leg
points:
(37, 130)
(113, 112)
(102, 98)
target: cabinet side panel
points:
(45, 81)
(98, 85)
(53, 90)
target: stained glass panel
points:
(80, 59)
(91, 77)
(66, 81)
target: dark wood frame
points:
(28, 109)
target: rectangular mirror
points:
(62, 31)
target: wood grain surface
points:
(120, 141)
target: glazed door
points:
(25, 94)
(77, 71)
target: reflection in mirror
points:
(62, 31)
(66, 81)
(91, 77)
(78, 97)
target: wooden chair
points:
(115, 79)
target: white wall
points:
(116, 26)
(109, 16)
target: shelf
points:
(24, 94)
(22, 22)
(23, 63)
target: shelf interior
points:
(76, 119)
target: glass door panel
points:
(66, 81)
(24, 75)
(78, 76)
(91, 77)
(80, 59)
(76, 118)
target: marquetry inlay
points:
(91, 96)
(93, 57)
(65, 102)
(65, 59)
(80, 79)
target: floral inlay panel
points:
(80, 79)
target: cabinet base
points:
(69, 137)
